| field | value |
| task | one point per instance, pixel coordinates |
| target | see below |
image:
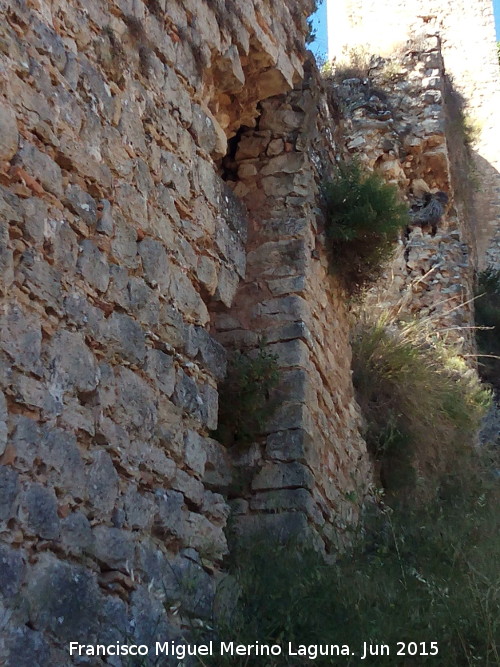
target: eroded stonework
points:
(117, 239)
(160, 166)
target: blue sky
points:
(319, 47)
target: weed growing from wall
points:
(363, 217)
(487, 307)
(355, 64)
(421, 403)
(245, 402)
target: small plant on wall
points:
(363, 217)
(245, 402)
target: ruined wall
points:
(117, 239)
(159, 178)
(467, 34)
(402, 121)
(311, 473)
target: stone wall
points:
(159, 180)
(311, 473)
(402, 121)
(117, 240)
(467, 34)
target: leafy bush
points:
(427, 575)
(487, 307)
(421, 403)
(363, 218)
(245, 403)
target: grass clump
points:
(421, 403)
(245, 402)
(426, 575)
(363, 217)
(487, 306)
(354, 64)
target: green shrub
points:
(245, 402)
(426, 575)
(422, 405)
(363, 217)
(487, 305)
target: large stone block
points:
(218, 472)
(227, 286)
(187, 396)
(42, 279)
(21, 338)
(9, 489)
(72, 364)
(156, 265)
(291, 445)
(9, 135)
(186, 298)
(143, 302)
(6, 257)
(102, 483)
(148, 620)
(39, 506)
(194, 451)
(113, 547)
(63, 598)
(136, 404)
(139, 509)
(93, 265)
(3, 423)
(170, 514)
(160, 367)
(215, 508)
(76, 534)
(231, 246)
(81, 203)
(282, 476)
(188, 585)
(124, 243)
(279, 500)
(208, 539)
(283, 527)
(12, 570)
(125, 338)
(190, 487)
(41, 167)
(209, 351)
(65, 469)
(291, 353)
(25, 647)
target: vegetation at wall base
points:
(423, 567)
(487, 307)
(422, 404)
(245, 402)
(363, 217)
(423, 574)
